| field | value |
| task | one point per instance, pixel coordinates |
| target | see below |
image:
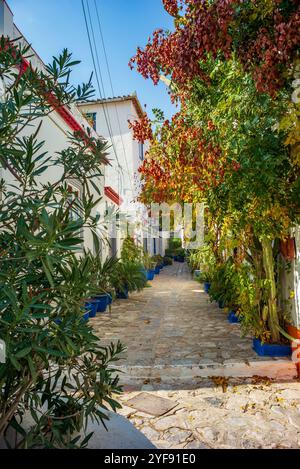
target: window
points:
(91, 117)
(141, 151)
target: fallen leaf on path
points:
(261, 380)
(220, 381)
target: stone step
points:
(278, 369)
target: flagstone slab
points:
(246, 416)
(151, 404)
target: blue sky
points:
(52, 25)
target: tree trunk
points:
(268, 260)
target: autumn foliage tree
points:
(234, 143)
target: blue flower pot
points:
(91, 307)
(207, 287)
(150, 275)
(180, 259)
(123, 294)
(232, 318)
(157, 270)
(271, 350)
(102, 302)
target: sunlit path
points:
(182, 349)
(175, 335)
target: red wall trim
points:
(61, 110)
(64, 113)
(113, 195)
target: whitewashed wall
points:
(54, 130)
(124, 153)
(291, 284)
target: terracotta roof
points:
(117, 99)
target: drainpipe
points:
(6, 20)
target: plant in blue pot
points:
(159, 263)
(205, 278)
(150, 266)
(128, 278)
(233, 318)
(180, 255)
(103, 272)
(167, 261)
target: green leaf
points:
(15, 363)
(22, 353)
(32, 368)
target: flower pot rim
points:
(272, 350)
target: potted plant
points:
(159, 261)
(127, 278)
(156, 264)
(264, 349)
(149, 265)
(233, 318)
(167, 261)
(179, 255)
(102, 278)
(205, 278)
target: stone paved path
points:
(174, 334)
(250, 414)
(181, 347)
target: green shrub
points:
(180, 252)
(157, 259)
(169, 253)
(55, 364)
(130, 251)
(175, 243)
(128, 276)
(148, 261)
(168, 260)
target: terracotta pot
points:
(294, 332)
(288, 249)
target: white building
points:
(56, 128)
(109, 118)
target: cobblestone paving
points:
(250, 414)
(172, 328)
